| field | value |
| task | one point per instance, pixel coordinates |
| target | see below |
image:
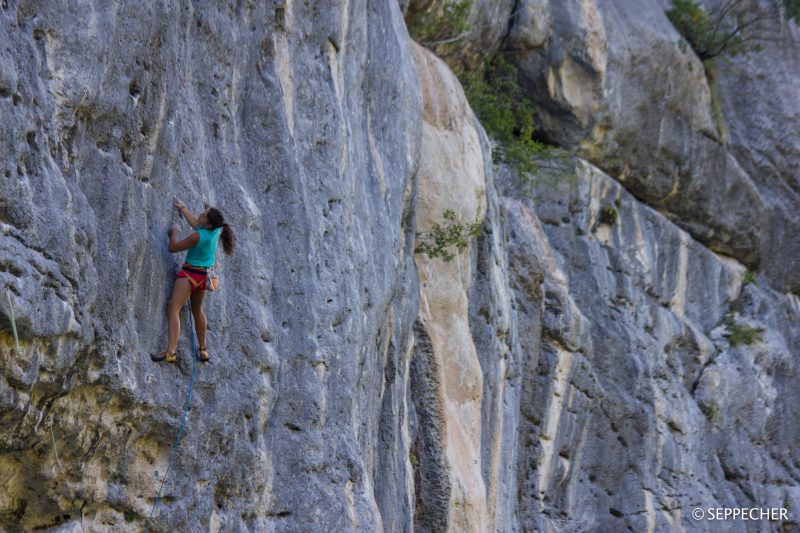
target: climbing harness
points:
(183, 421)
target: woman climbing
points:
(191, 280)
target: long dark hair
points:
(216, 220)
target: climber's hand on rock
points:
(176, 228)
(178, 204)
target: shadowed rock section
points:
(432, 479)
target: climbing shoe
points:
(202, 356)
(164, 356)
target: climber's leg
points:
(180, 292)
(199, 317)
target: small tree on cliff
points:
(505, 112)
(438, 241)
(492, 91)
(495, 96)
(727, 27)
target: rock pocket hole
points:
(11, 268)
(133, 89)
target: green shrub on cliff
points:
(608, 215)
(727, 27)
(435, 243)
(741, 334)
(448, 25)
(504, 112)
(721, 30)
(710, 409)
(492, 91)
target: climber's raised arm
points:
(190, 218)
(179, 246)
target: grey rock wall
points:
(715, 153)
(638, 404)
(566, 371)
(301, 123)
(712, 146)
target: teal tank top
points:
(203, 252)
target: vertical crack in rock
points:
(431, 476)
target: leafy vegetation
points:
(749, 277)
(740, 334)
(451, 25)
(710, 409)
(728, 27)
(412, 457)
(496, 98)
(711, 34)
(792, 8)
(437, 242)
(608, 215)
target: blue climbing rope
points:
(183, 421)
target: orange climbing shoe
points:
(164, 356)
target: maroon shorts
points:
(195, 275)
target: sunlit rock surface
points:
(713, 146)
(302, 122)
(598, 358)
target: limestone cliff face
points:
(566, 371)
(711, 146)
(446, 365)
(640, 405)
(708, 145)
(302, 123)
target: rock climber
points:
(191, 280)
